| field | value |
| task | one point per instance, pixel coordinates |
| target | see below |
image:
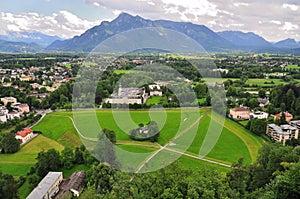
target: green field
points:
(292, 67)
(18, 164)
(58, 132)
(251, 82)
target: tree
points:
(101, 178)
(47, 161)
(67, 158)
(262, 93)
(8, 143)
(8, 186)
(258, 126)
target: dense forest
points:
(275, 174)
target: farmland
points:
(58, 132)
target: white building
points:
(24, 135)
(155, 90)
(128, 96)
(48, 187)
(282, 133)
(259, 115)
(3, 118)
(12, 115)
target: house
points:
(6, 100)
(240, 113)
(22, 108)
(48, 187)
(155, 90)
(288, 117)
(259, 115)
(282, 133)
(295, 123)
(73, 185)
(12, 115)
(128, 96)
(24, 135)
(263, 102)
(3, 118)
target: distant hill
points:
(19, 47)
(30, 37)
(124, 22)
(288, 43)
(245, 39)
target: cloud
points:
(237, 4)
(64, 24)
(275, 22)
(288, 26)
(293, 7)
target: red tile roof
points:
(24, 132)
(240, 109)
(287, 114)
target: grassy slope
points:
(234, 142)
(18, 164)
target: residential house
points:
(24, 135)
(12, 115)
(263, 102)
(155, 90)
(259, 115)
(282, 133)
(22, 108)
(128, 96)
(240, 113)
(48, 187)
(6, 100)
(288, 116)
(73, 185)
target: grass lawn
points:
(118, 72)
(292, 67)
(251, 82)
(59, 128)
(18, 164)
(58, 131)
(153, 100)
(68, 172)
(244, 122)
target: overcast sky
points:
(273, 19)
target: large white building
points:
(128, 96)
(155, 90)
(259, 115)
(48, 187)
(282, 133)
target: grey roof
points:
(281, 129)
(44, 186)
(287, 127)
(296, 122)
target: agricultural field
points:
(58, 132)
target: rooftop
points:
(44, 186)
(24, 132)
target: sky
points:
(272, 19)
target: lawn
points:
(153, 100)
(59, 127)
(251, 81)
(119, 72)
(292, 67)
(58, 132)
(18, 164)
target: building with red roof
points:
(288, 116)
(24, 135)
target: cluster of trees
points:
(8, 143)
(275, 174)
(149, 132)
(53, 160)
(285, 98)
(8, 186)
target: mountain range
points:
(226, 41)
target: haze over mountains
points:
(226, 41)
